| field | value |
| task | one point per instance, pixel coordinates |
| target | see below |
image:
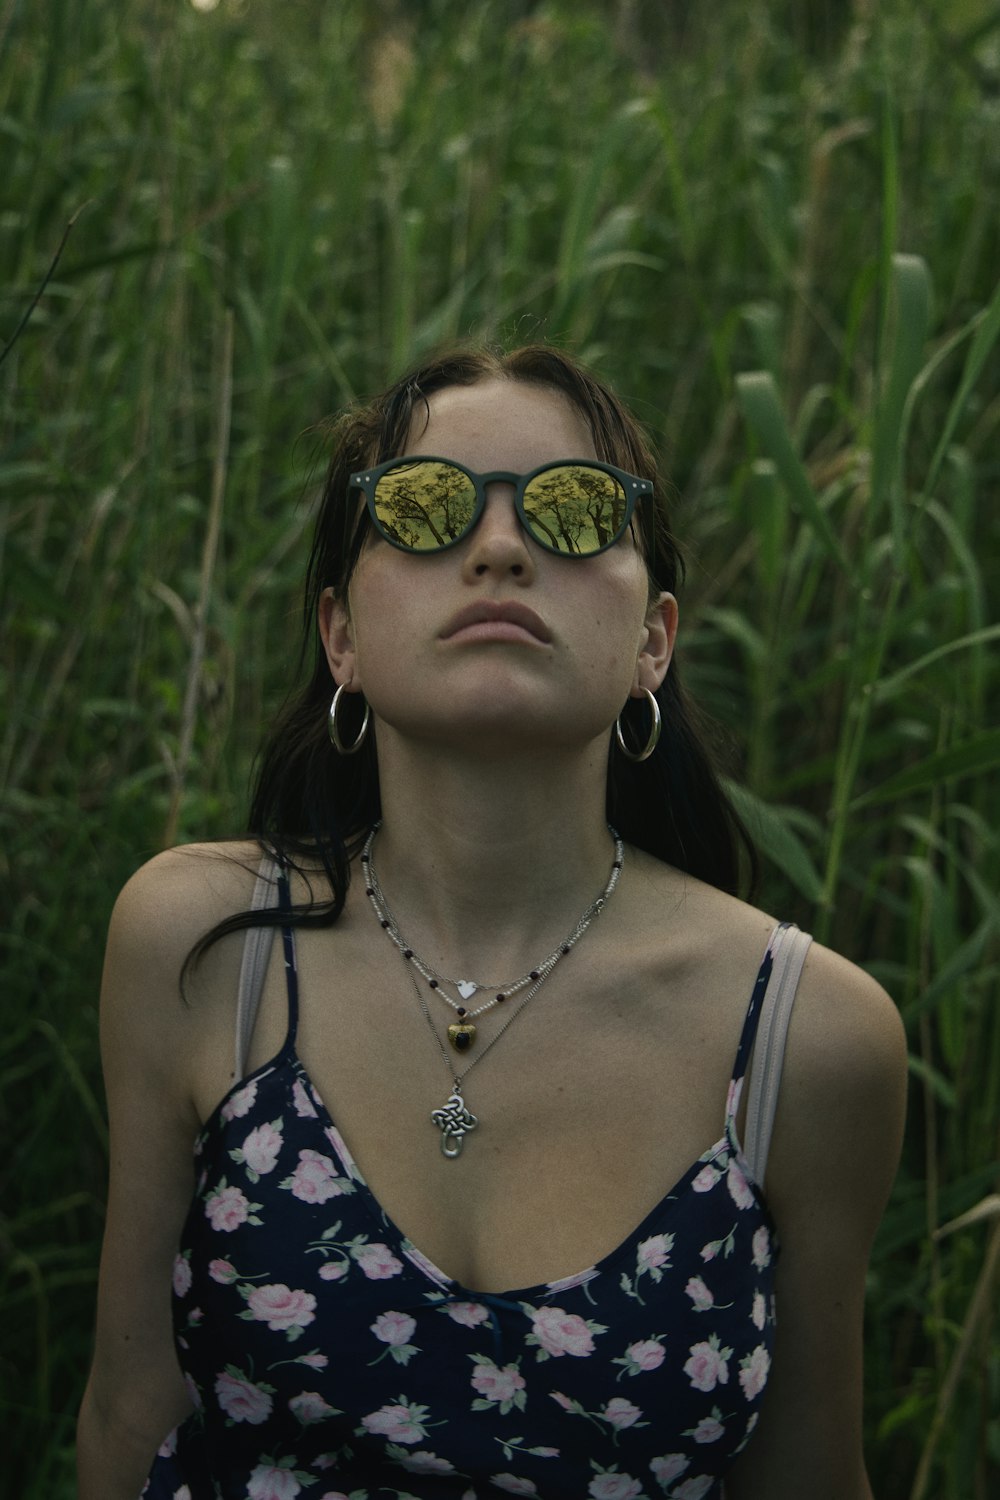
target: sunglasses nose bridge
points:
(499, 500)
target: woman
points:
(459, 1236)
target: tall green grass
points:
(775, 228)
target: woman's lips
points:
(489, 620)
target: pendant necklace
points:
(454, 1119)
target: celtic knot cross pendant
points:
(454, 1122)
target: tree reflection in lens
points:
(425, 505)
(574, 508)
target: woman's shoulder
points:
(163, 912)
(847, 1049)
(181, 893)
(842, 1103)
(846, 1032)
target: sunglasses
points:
(574, 508)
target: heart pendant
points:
(461, 1035)
(466, 988)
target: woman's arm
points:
(150, 1043)
(836, 1144)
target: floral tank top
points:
(327, 1358)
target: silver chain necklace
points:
(454, 1119)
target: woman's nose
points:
(499, 543)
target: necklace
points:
(454, 1119)
(461, 1034)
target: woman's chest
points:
(574, 1120)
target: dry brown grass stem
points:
(976, 1319)
(209, 553)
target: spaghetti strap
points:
(753, 1015)
(769, 1053)
(256, 957)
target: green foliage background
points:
(774, 226)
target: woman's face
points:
(579, 637)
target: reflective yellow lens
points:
(574, 508)
(425, 505)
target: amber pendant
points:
(461, 1035)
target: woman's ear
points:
(654, 657)
(337, 636)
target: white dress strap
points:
(256, 954)
(769, 1048)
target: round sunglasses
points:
(572, 507)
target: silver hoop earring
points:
(331, 724)
(654, 732)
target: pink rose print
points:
(694, 1489)
(671, 1466)
(223, 1272)
(314, 1360)
(268, 1482)
(261, 1147)
(512, 1485)
(561, 1400)
(753, 1371)
(281, 1307)
(423, 1462)
(654, 1253)
(758, 1315)
(739, 1189)
(240, 1103)
(709, 1429)
(181, 1276)
(400, 1422)
(309, 1406)
(169, 1445)
(711, 1250)
(394, 1327)
(761, 1246)
(184, 1493)
(314, 1179)
(699, 1294)
(559, 1332)
(494, 1384)
(303, 1104)
(614, 1487)
(193, 1392)
(621, 1413)
(707, 1366)
(469, 1314)
(647, 1354)
(332, 1270)
(706, 1179)
(377, 1261)
(226, 1208)
(240, 1399)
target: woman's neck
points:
(484, 866)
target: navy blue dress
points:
(328, 1358)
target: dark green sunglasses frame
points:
(367, 481)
